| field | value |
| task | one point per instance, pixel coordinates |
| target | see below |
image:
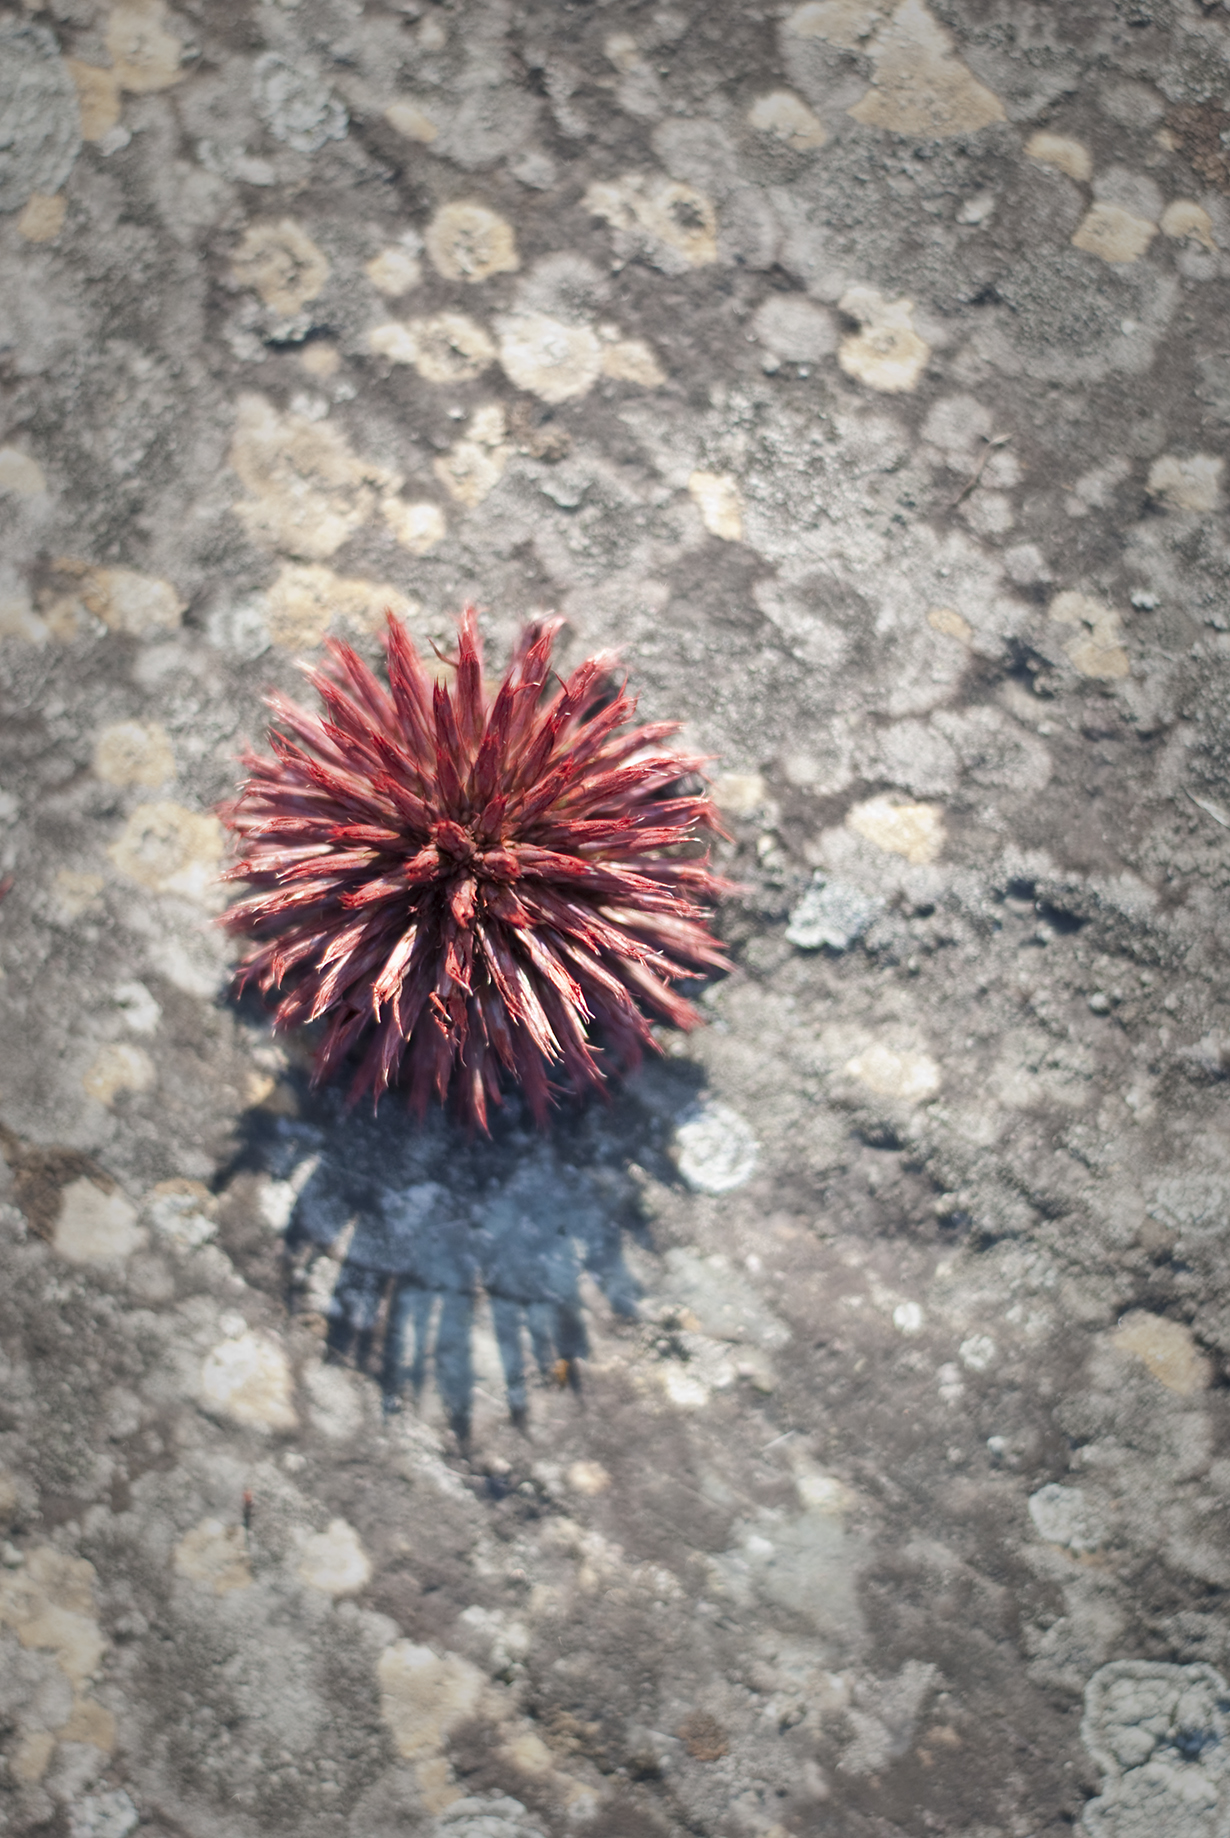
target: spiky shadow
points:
(398, 1231)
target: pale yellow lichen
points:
(467, 242)
(447, 348)
(1114, 234)
(847, 23)
(1060, 150)
(678, 216)
(394, 271)
(94, 1226)
(412, 121)
(49, 1604)
(125, 601)
(551, 360)
(786, 117)
(630, 360)
(169, 849)
(306, 598)
(248, 1379)
(98, 98)
(919, 88)
(307, 490)
(913, 830)
(888, 354)
(75, 893)
(321, 359)
(282, 263)
(740, 793)
(144, 55)
(910, 1076)
(425, 1696)
(334, 1561)
(117, 1068)
(944, 619)
(716, 496)
(1165, 1348)
(20, 474)
(216, 1555)
(1094, 647)
(1184, 219)
(475, 465)
(1187, 484)
(417, 527)
(43, 217)
(134, 753)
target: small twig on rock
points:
(991, 441)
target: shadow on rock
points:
(396, 1231)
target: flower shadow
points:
(399, 1233)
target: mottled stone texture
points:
(830, 1434)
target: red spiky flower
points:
(479, 884)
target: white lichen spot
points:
(306, 599)
(1070, 156)
(475, 465)
(94, 1226)
(630, 360)
(908, 1318)
(334, 1561)
(913, 830)
(412, 121)
(716, 497)
(887, 354)
(48, 1602)
(321, 359)
(912, 1077)
(1063, 1516)
(395, 270)
(43, 217)
(1115, 235)
(216, 1555)
(787, 117)
(144, 55)
(793, 327)
(424, 1696)
(182, 1212)
(676, 216)
(550, 359)
(1094, 646)
(169, 849)
(919, 88)
(467, 242)
(1187, 484)
(333, 1400)
(1184, 219)
(945, 620)
(134, 753)
(622, 50)
(1165, 1348)
(683, 1388)
(977, 1352)
(715, 1149)
(98, 98)
(248, 1379)
(282, 263)
(447, 348)
(417, 527)
(21, 475)
(307, 491)
(116, 1068)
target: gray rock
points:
(40, 124)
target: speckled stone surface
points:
(829, 1435)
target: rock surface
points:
(831, 1434)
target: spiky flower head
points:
(482, 888)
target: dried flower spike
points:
(478, 884)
